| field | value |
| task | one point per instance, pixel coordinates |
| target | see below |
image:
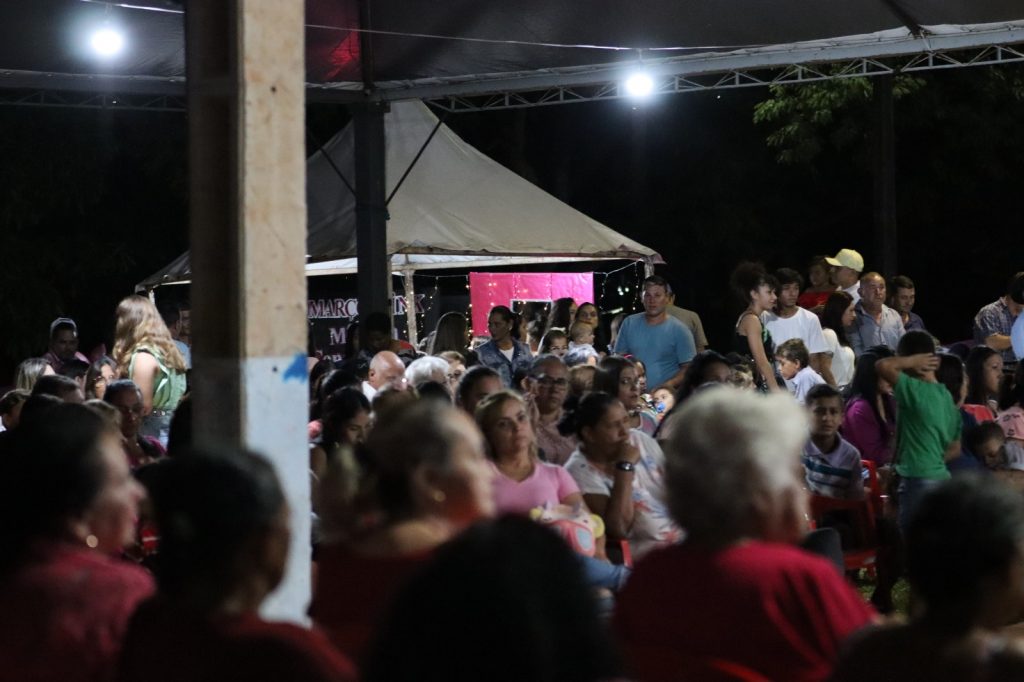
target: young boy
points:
(831, 464)
(928, 428)
(794, 366)
(986, 441)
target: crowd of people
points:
(570, 497)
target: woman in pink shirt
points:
(870, 419)
(523, 482)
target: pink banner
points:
(488, 289)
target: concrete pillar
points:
(246, 108)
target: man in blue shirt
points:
(876, 324)
(663, 343)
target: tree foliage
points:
(806, 119)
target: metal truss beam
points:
(92, 100)
(790, 75)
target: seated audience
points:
(76, 370)
(618, 377)
(755, 605)
(504, 602)
(224, 537)
(29, 371)
(619, 471)
(522, 482)
(869, 422)
(831, 465)
(548, 387)
(10, 408)
(581, 355)
(707, 369)
(984, 375)
(555, 342)
(67, 508)
(477, 383)
(430, 481)
(386, 371)
(964, 564)
(456, 368)
(101, 374)
(139, 449)
(581, 334)
(581, 380)
(1011, 417)
(60, 387)
(838, 360)
(346, 422)
(429, 368)
(794, 367)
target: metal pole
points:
(374, 276)
(886, 231)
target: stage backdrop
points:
(513, 289)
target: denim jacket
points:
(491, 357)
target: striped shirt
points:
(834, 474)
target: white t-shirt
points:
(508, 353)
(804, 325)
(842, 359)
(853, 291)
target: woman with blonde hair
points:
(523, 481)
(145, 353)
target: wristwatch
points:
(625, 466)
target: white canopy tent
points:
(455, 208)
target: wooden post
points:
(246, 106)
(886, 242)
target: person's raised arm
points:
(998, 342)
(892, 368)
(750, 327)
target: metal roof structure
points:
(470, 55)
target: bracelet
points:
(625, 466)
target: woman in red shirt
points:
(737, 594)
(431, 480)
(224, 540)
(67, 507)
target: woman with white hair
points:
(737, 595)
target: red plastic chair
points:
(862, 552)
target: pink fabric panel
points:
(488, 289)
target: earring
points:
(92, 541)
(439, 496)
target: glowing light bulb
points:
(107, 42)
(639, 85)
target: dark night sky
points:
(93, 201)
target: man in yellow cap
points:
(847, 264)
